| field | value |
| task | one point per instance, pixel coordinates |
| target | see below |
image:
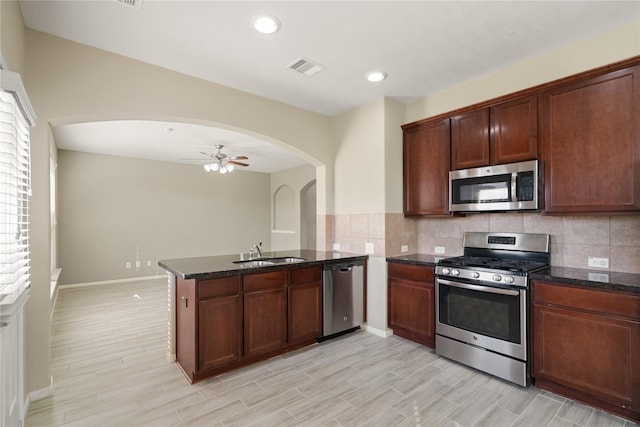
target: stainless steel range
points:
(483, 300)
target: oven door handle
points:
(480, 288)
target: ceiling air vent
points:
(305, 66)
(135, 4)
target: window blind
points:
(15, 190)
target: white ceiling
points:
(424, 46)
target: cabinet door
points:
(220, 331)
(591, 144)
(411, 305)
(305, 304)
(514, 131)
(593, 354)
(265, 313)
(426, 169)
(470, 139)
(305, 312)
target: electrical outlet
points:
(439, 249)
(368, 248)
(137, 264)
(127, 264)
(598, 262)
(599, 277)
(336, 246)
(404, 248)
(148, 263)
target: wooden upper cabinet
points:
(426, 158)
(514, 131)
(591, 144)
(470, 139)
(503, 133)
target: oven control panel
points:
(482, 276)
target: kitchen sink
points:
(286, 260)
(263, 262)
(255, 263)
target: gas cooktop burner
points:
(517, 266)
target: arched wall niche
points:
(284, 209)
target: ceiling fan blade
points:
(239, 158)
(233, 162)
(205, 154)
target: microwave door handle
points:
(514, 187)
(479, 288)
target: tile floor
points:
(108, 346)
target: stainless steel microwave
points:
(510, 187)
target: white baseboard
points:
(379, 332)
(110, 282)
(171, 357)
(35, 396)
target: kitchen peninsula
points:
(226, 312)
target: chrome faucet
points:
(258, 247)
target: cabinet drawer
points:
(262, 281)
(219, 287)
(587, 299)
(410, 272)
(299, 276)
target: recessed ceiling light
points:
(266, 24)
(376, 76)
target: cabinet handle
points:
(185, 302)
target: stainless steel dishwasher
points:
(342, 298)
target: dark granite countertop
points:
(209, 267)
(416, 259)
(594, 279)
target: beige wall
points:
(115, 209)
(358, 140)
(68, 82)
(621, 43)
(296, 179)
(12, 35)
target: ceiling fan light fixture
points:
(229, 168)
(215, 166)
(376, 76)
(266, 24)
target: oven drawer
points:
(415, 273)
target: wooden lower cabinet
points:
(411, 302)
(228, 322)
(265, 313)
(586, 346)
(219, 332)
(305, 304)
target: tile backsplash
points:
(573, 238)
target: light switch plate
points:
(404, 248)
(336, 246)
(368, 248)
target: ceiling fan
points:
(222, 163)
